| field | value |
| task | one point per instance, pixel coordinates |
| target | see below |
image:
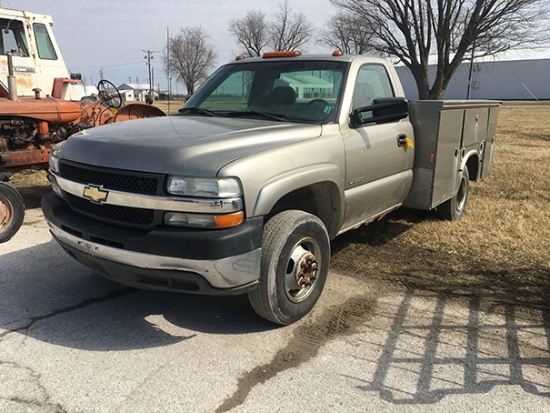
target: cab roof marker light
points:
(282, 53)
(337, 53)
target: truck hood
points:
(186, 145)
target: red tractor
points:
(29, 127)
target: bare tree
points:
(251, 32)
(190, 56)
(290, 30)
(349, 34)
(454, 30)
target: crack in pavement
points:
(28, 383)
(44, 407)
(306, 341)
(91, 301)
(39, 398)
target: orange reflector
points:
(239, 57)
(283, 53)
(432, 157)
(337, 53)
(231, 220)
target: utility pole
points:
(149, 56)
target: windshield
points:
(298, 91)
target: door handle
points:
(404, 141)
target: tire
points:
(292, 241)
(454, 208)
(12, 212)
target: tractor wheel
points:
(12, 212)
(294, 267)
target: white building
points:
(510, 76)
(136, 92)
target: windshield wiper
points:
(270, 116)
(200, 111)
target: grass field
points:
(500, 248)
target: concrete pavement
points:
(71, 342)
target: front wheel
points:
(294, 267)
(454, 208)
(12, 212)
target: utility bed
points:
(447, 132)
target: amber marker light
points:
(227, 221)
(283, 53)
(337, 53)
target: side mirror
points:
(382, 110)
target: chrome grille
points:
(133, 182)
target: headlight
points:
(54, 158)
(183, 219)
(204, 187)
(54, 163)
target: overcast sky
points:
(112, 34)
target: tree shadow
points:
(425, 358)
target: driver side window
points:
(372, 82)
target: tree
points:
(250, 32)
(290, 30)
(190, 57)
(455, 30)
(349, 34)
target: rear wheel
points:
(294, 267)
(12, 212)
(454, 208)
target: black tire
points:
(294, 267)
(12, 212)
(454, 208)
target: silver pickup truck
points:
(271, 158)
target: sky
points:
(111, 36)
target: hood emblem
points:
(95, 194)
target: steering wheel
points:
(318, 101)
(108, 93)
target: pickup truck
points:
(242, 190)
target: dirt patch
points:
(305, 343)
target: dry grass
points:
(501, 246)
(169, 107)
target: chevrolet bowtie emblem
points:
(95, 194)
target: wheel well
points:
(320, 199)
(473, 167)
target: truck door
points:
(378, 165)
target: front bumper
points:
(217, 262)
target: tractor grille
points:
(138, 183)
